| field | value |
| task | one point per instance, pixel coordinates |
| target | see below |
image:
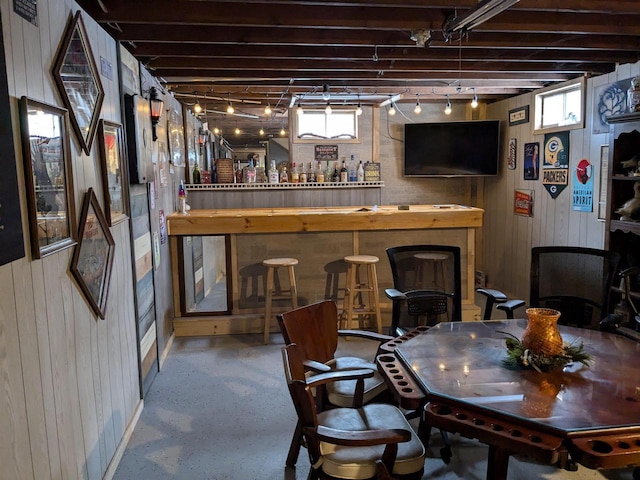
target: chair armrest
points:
(496, 295)
(510, 305)
(378, 337)
(629, 333)
(361, 438)
(337, 375)
(317, 367)
(394, 295)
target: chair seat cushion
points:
(360, 462)
(341, 393)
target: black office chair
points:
(426, 286)
(574, 280)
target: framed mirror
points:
(48, 176)
(111, 166)
(93, 256)
(78, 81)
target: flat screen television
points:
(451, 149)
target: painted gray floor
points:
(220, 410)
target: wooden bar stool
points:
(355, 288)
(436, 261)
(274, 290)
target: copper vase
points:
(542, 335)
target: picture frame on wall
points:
(112, 170)
(78, 81)
(518, 116)
(93, 256)
(48, 176)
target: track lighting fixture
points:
(327, 109)
(447, 108)
(417, 108)
(392, 110)
(325, 93)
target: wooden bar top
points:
(323, 219)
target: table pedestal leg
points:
(497, 463)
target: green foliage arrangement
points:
(520, 357)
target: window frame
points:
(566, 87)
(319, 140)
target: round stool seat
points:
(280, 262)
(361, 259)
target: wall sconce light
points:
(202, 136)
(156, 110)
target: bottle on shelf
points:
(311, 174)
(295, 174)
(328, 173)
(352, 169)
(360, 173)
(251, 173)
(238, 176)
(320, 174)
(344, 173)
(303, 174)
(195, 175)
(274, 176)
(336, 174)
(182, 198)
(284, 176)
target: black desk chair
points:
(426, 286)
(574, 280)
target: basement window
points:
(560, 108)
(315, 125)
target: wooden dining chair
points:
(363, 442)
(314, 328)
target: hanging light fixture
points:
(359, 109)
(447, 108)
(283, 132)
(261, 131)
(216, 130)
(417, 108)
(328, 109)
(392, 110)
(237, 131)
(299, 109)
(326, 94)
(474, 102)
(267, 109)
(230, 108)
(197, 108)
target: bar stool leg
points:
(347, 308)
(267, 304)
(375, 295)
(293, 287)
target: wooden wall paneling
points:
(96, 374)
(31, 373)
(46, 367)
(14, 443)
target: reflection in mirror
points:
(79, 83)
(48, 176)
(113, 179)
(205, 275)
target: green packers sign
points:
(555, 167)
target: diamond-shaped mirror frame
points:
(78, 81)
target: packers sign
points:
(555, 166)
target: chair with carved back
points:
(359, 442)
(314, 328)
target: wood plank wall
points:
(508, 237)
(68, 381)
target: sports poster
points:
(582, 199)
(555, 164)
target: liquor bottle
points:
(195, 176)
(284, 177)
(353, 176)
(182, 199)
(238, 178)
(274, 176)
(360, 172)
(311, 175)
(251, 173)
(303, 174)
(320, 174)
(295, 174)
(344, 173)
(328, 173)
(336, 174)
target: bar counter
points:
(319, 237)
(323, 219)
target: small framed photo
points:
(111, 166)
(93, 256)
(519, 115)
